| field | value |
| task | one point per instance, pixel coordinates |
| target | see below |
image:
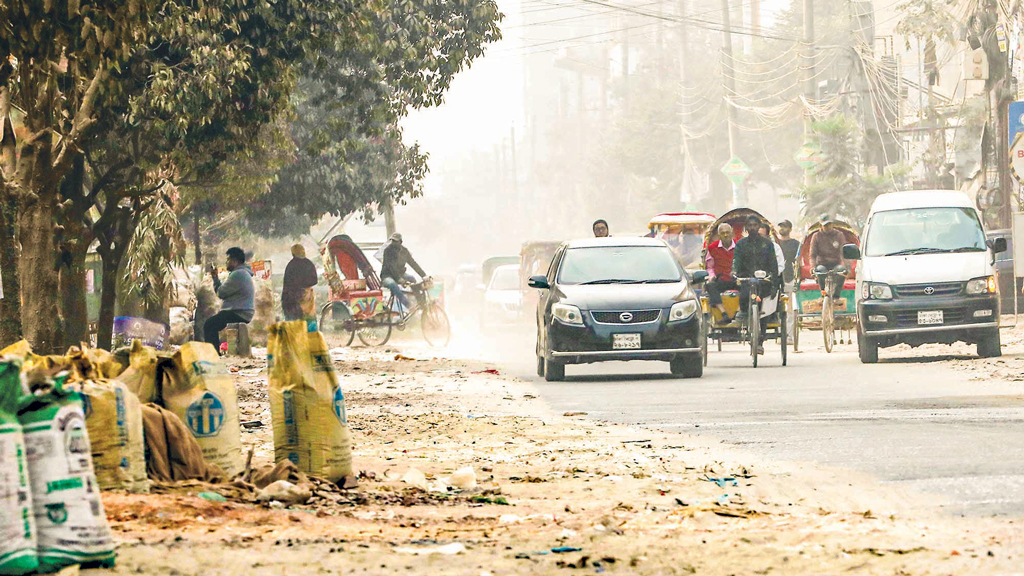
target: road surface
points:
(910, 421)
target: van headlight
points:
(683, 310)
(567, 314)
(876, 291)
(984, 285)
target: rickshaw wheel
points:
(437, 330)
(784, 338)
(828, 325)
(796, 332)
(337, 325)
(754, 328)
(378, 333)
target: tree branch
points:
(83, 120)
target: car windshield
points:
(505, 279)
(924, 231)
(619, 265)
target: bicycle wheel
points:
(754, 328)
(336, 323)
(828, 326)
(437, 330)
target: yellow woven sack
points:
(113, 418)
(306, 403)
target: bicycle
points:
(754, 320)
(437, 329)
(828, 312)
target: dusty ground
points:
(621, 500)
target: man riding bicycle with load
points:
(393, 270)
(755, 253)
(827, 254)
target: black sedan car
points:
(617, 299)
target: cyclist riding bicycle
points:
(393, 270)
(753, 253)
(827, 254)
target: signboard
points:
(1016, 120)
(1017, 158)
(809, 155)
(261, 269)
(736, 170)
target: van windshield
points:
(924, 231)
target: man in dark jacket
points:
(753, 253)
(299, 277)
(396, 258)
(237, 294)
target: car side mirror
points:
(998, 245)
(851, 252)
(700, 277)
(540, 282)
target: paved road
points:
(914, 422)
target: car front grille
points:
(926, 290)
(634, 316)
(950, 317)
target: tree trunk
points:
(10, 305)
(108, 298)
(73, 306)
(73, 252)
(199, 240)
(40, 317)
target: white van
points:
(925, 274)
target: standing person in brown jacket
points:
(299, 279)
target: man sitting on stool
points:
(237, 294)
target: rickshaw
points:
(684, 233)
(811, 312)
(534, 259)
(772, 308)
(358, 306)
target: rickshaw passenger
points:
(827, 252)
(396, 258)
(753, 253)
(719, 264)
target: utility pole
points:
(684, 56)
(810, 90)
(739, 195)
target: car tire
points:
(540, 366)
(554, 371)
(867, 349)
(990, 345)
(689, 366)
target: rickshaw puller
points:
(827, 254)
(753, 253)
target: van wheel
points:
(990, 346)
(554, 371)
(867, 348)
(540, 366)
(689, 366)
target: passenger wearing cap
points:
(827, 251)
(299, 279)
(393, 269)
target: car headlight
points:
(876, 291)
(985, 285)
(567, 314)
(683, 310)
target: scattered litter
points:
(575, 414)
(464, 479)
(212, 497)
(636, 441)
(415, 478)
(285, 492)
(448, 550)
(565, 550)
(403, 357)
(250, 424)
(567, 533)
(723, 482)
(490, 371)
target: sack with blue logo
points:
(307, 405)
(17, 520)
(72, 526)
(113, 416)
(198, 389)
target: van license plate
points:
(625, 341)
(929, 318)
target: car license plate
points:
(932, 317)
(625, 341)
